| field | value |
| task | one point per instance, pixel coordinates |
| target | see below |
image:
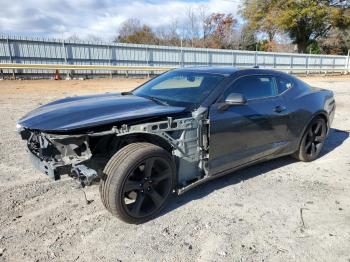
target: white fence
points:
(24, 50)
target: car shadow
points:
(335, 138)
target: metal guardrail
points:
(138, 68)
(39, 56)
(82, 67)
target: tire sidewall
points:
(302, 152)
(120, 174)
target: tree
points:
(132, 31)
(261, 16)
(128, 27)
(248, 39)
(168, 34)
(336, 43)
(192, 26)
(74, 37)
(305, 21)
(219, 30)
(216, 30)
(313, 48)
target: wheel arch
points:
(152, 139)
(321, 113)
(324, 115)
(146, 137)
(107, 146)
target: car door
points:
(243, 133)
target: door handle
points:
(279, 109)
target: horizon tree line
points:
(303, 26)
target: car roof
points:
(225, 70)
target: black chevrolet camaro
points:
(178, 130)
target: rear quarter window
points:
(301, 85)
(283, 84)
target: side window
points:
(283, 84)
(254, 87)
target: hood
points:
(80, 112)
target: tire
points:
(312, 141)
(138, 180)
(121, 157)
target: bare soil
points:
(282, 210)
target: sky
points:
(96, 18)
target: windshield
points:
(178, 88)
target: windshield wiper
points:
(157, 100)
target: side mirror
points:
(232, 99)
(235, 99)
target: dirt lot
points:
(251, 215)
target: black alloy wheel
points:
(312, 141)
(315, 139)
(138, 181)
(147, 187)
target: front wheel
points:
(312, 141)
(138, 180)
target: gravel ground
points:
(251, 215)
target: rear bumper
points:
(331, 114)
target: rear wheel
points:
(312, 141)
(138, 180)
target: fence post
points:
(150, 61)
(274, 60)
(147, 59)
(307, 65)
(208, 57)
(65, 55)
(65, 52)
(256, 58)
(10, 55)
(234, 59)
(181, 56)
(110, 60)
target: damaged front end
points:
(83, 156)
(56, 155)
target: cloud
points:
(100, 18)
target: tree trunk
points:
(302, 45)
